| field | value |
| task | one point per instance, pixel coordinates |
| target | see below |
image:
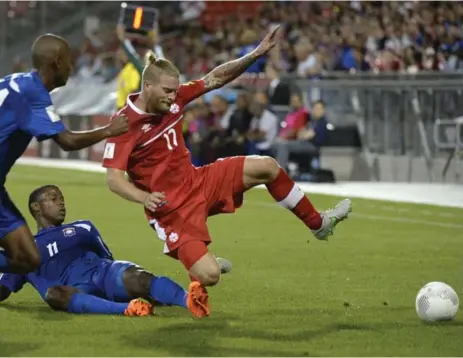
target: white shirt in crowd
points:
(267, 123)
(310, 61)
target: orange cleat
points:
(139, 308)
(198, 300)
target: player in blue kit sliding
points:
(26, 112)
(78, 273)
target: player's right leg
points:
(259, 170)
(125, 280)
(21, 255)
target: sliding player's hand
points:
(119, 125)
(155, 201)
(268, 42)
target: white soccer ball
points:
(437, 301)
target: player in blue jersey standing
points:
(79, 275)
(26, 112)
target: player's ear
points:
(35, 208)
(147, 85)
(56, 64)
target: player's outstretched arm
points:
(69, 140)
(229, 71)
(122, 187)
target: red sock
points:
(287, 194)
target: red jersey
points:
(153, 151)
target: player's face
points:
(51, 206)
(161, 95)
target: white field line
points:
(94, 167)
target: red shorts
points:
(219, 191)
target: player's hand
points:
(269, 42)
(155, 201)
(118, 126)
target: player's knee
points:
(209, 276)
(58, 297)
(137, 282)
(262, 168)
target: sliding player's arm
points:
(10, 283)
(118, 184)
(231, 70)
(227, 72)
(115, 159)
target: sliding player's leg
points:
(259, 170)
(72, 300)
(21, 255)
(125, 281)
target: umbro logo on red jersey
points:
(175, 108)
(146, 127)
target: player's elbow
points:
(113, 183)
(66, 141)
(114, 179)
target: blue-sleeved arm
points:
(42, 123)
(13, 282)
(100, 247)
(35, 113)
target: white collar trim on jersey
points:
(135, 108)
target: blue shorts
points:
(10, 217)
(104, 279)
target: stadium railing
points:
(394, 116)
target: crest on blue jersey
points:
(69, 231)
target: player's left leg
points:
(125, 281)
(259, 170)
(72, 300)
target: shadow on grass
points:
(203, 338)
(42, 312)
(230, 335)
(15, 349)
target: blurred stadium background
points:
(389, 75)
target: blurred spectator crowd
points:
(216, 127)
(317, 36)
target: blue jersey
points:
(71, 255)
(25, 112)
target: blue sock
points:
(83, 303)
(168, 292)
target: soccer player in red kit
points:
(178, 197)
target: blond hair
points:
(155, 66)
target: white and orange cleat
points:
(198, 300)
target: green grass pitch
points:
(351, 296)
